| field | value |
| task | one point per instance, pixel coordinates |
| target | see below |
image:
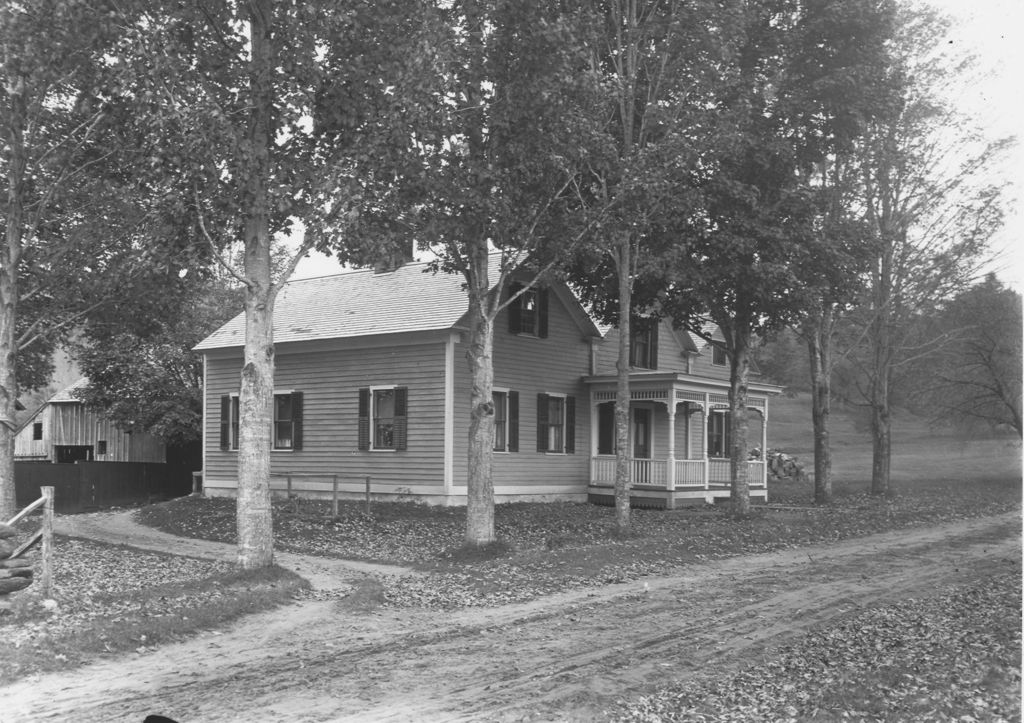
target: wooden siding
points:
(71, 423)
(330, 381)
(531, 366)
(670, 352)
(701, 365)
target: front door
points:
(641, 445)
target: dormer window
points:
(528, 312)
(718, 355)
(643, 344)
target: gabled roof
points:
(67, 394)
(363, 303)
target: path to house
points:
(566, 657)
(323, 573)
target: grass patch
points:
(114, 599)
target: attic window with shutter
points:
(528, 312)
(383, 418)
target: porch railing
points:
(689, 473)
(644, 471)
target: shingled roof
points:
(365, 303)
(357, 303)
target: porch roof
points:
(677, 380)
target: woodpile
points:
(783, 467)
(16, 573)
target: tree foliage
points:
(973, 379)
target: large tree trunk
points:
(622, 396)
(256, 397)
(739, 424)
(10, 257)
(480, 484)
(818, 333)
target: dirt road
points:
(566, 657)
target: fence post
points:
(46, 579)
(334, 498)
(367, 495)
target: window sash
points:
(500, 421)
(719, 439)
(556, 424)
(284, 423)
(383, 422)
(528, 312)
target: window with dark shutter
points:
(515, 317)
(288, 421)
(297, 403)
(401, 418)
(556, 423)
(225, 422)
(383, 418)
(528, 312)
(500, 402)
(542, 422)
(513, 421)
(364, 418)
(570, 425)
(542, 313)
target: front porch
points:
(679, 440)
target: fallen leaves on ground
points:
(954, 657)
(92, 580)
(556, 546)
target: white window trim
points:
(273, 423)
(233, 432)
(373, 419)
(563, 396)
(505, 391)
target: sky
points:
(994, 30)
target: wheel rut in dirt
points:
(567, 657)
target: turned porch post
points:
(670, 476)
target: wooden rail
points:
(43, 534)
(334, 487)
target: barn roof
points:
(67, 394)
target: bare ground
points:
(564, 657)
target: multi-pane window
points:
(384, 418)
(719, 437)
(287, 425)
(556, 424)
(528, 311)
(556, 420)
(718, 355)
(500, 421)
(643, 343)
(284, 421)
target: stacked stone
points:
(15, 574)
